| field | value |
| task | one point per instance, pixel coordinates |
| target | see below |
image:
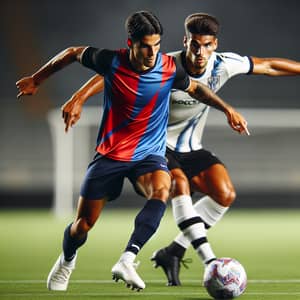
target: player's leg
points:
(194, 164)
(155, 186)
(191, 226)
(75, 236)
(102, 181)
(215, 182)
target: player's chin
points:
(149, 63)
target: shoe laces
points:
(185, 262)
(62, 274)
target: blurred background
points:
(265, 167)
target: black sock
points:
(146, 223)
(176, 250)
(71, 244)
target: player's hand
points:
(71, 112)
(26, 86)
(237, 122)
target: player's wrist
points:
(36, 79)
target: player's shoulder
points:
(101, 53)
(229, 56)
(175, 54)
(177, 57)
(234, 63)
(172, 61)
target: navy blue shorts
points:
(105, 177)
(192, 163)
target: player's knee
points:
(180, 186)
(225, 197)
(161, 193)
(82, 226)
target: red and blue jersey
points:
(136, 105)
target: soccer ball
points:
(225, 278)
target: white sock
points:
(209, 210)
(183, 208)
(191, 225)
(128, 256)
(205, 252)
(182, 205)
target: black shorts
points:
(105, 177)
(192, 163)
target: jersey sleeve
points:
(98, 60)
(236, 64)
(182, 79)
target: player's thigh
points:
(213, 181)
(150, 177)
(104, 179)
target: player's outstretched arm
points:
(201, 92)
(71, 110)
(29, 85)
(275, 66)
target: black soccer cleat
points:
(170, 264)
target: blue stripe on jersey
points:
(159, 116)
(180, 140)
(191, 124)
(216, 66)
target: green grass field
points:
(266, 243)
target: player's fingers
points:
(243, 125)
(66, 127)
(247, 131)
(20, 94)
(68, 123)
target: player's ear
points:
(185, 41)
(216, 44)
(129, 43)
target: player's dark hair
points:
(142, 23)
(200, 23)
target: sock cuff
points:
(181, 199)
(209, 210)
(183, 209)
(213, 204)
(155, 204)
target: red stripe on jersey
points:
(168, 68)
(121, 111)
(137, 128)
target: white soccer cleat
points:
(58, 278)
(127, 272)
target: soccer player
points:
(131, 140)
(190, 164)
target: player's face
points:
(143, 53)
(199, 48)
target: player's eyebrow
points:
(148, 45)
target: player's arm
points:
(275, 66)
(71, 110)
(201, 92)
(29, 85)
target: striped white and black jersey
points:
(187, 115)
